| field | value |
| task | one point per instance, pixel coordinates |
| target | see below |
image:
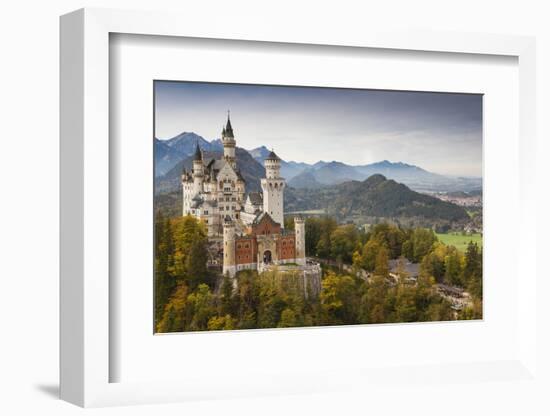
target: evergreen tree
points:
(381, 267)
(164, 258)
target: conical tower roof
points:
(272, 156)
(198, 153)
(228, 128)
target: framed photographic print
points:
(247, 237)
(281, 213)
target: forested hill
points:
(373, 197)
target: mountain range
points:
(173, 154)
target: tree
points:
(405, 304)
(164, 264)
(433, 265)
(177, 315)
(381, 267)
(217, 323)
(402, 272)
(324, 245)
(343, 243)
(288, 319)
(227, 299)
(339, 300)
(390, 236)
(407, 250)
(195, 263)
(473, 269)
(374, 301)
(313, 235)
(248, 299)
(419, 244)
(202, 307)
(370, 252)
(453, 267)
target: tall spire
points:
(198, 154)
(228, 128)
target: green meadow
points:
(459, 240)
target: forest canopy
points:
(357, 286)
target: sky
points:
(440, 132)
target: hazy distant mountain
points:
(250, 169)
(259, 153)
(319, 164)
(288, 169)
(331, 173)
(169, 152)
(305, 179)
(291, 169)
(165, 158)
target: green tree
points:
(370, 252)
(453, 267)
(339, 300)
(217, 323)
(195, 264)
(202, 307)
(374, 302)
(227, 301)
(343, 242)
(324, 244)
(420, 243)
(164, 264)
(473, 270)
(381, 267)
(248, 299)
(390, 236)
(313, 235)
(177, 314)
(405, 304)
(288, 319)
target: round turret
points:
(300, 240)
(229, 265)
(272, 165)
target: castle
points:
(251, 225)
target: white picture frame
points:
(85, 210)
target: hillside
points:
(374, 197)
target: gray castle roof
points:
(198, 154)
(272, 156)
(256, 198)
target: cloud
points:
(441, 132)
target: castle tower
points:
(229, 265)
(198, 171)
(229, 143)
(273, 187)
(300, 237)
(187, 188)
